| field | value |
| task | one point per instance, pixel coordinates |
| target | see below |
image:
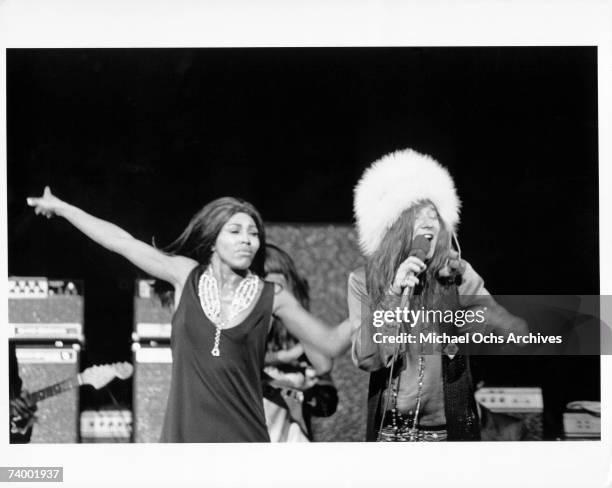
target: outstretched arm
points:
(331, 340)
(173, 269)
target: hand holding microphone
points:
(406, 275)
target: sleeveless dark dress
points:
(216, 399)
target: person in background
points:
(294, 390)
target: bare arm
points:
(173, 269)
(321, 363)
(314, 334)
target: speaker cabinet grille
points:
(152, 372)
(42, 366)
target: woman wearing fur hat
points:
(415, 393)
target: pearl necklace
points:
(208, 291)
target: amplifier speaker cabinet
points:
(582, 420)
(152, 371)
(41, 366)
(511, 413)
(106, 426)
(151, 319)
(45, 310)
(581, 425)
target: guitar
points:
(96, 376)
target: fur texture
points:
(396, 182)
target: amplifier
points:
(511, 413)
(151, 319)
(106, 426)
(581, 425)
(582, 420)
(511, 399)
(42, 309)
(152, 372)
(44, 366)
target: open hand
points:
(47, 205)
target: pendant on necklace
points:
(215, 350)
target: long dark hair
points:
(199, 237)
(278, 261)
(395, 248)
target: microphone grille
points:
(420, 247)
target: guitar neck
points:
(56, 389)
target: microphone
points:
(420, 249)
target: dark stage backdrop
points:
(145, 137)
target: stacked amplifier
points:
(511, 413)
(46, 327)
(152, 361)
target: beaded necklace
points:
(403, 432)
(208, 291)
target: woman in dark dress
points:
(223, 310)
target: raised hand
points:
(406, 275)
(454, 265)
(47, 205)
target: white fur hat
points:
(393, 184)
